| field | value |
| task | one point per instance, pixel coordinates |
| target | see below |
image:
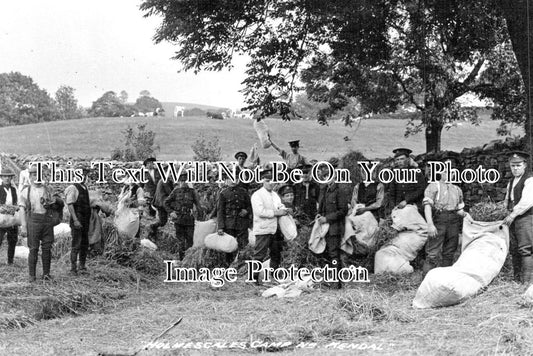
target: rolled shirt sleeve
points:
(71, 194)
(526, 201)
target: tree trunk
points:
(516, 13)
(433, 134)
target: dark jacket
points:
(231, 202)
(162, 192)
(333, 205)
(150, 186)
(412, 193)
(3, 195)
(182, 201)
(308, 206)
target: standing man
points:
(402, 194)
(519, 200)
(8, 196)
(267, 207)
(79, 207)
(443, 210)
(37, 224)
(150, 186)
(293, 158)
(332, 209)
(179, 205)
(233, 211)
(162, 192)
(306, 193)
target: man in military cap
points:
(519, 200)
(241, 158)
(150, 186)
(443, 210)
(293, 158)
(332, 208)
(79, 207)
(233, 214)
(179, 205)
(8, 196)
(402, 194)
(306, 193)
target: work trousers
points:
(268, 245)
(12, 238)
(184, 235)
(440, 250)
(521, 242)
(80, 241)
(40, 232)
(162, 220)
(242, 240)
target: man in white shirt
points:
(8, 196)
(519, 200)
(267, 207)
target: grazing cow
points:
(178, 111)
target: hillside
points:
(169, 107)
(98, 136)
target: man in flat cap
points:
(8, 196)
(443, 209)
(519, 200)
(332, 209)
(37, 223)
(179, 205)
(79, 207)
(293, 158)
(150, 186)
(402, 194)
(267, 207)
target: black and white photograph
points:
(292, 177)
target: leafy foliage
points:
(147, 104)
(109, 105)
(138, 145)
(206, 149)
(67, 103)
(23, 102)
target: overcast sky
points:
(100, 45)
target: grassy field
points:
(378, 313)
(98, 137)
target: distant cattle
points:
(178, 111)
(215, 115)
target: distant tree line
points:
(22, 102)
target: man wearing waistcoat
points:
(8, 196)
(402, 194)
(519, 200)
(79, 207)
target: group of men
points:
(441, 203)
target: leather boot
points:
(32, 264)
(516, 261)
(47, 262)
(83, 259)
(73, 263)
(527, 270)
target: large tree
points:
(109, 105)
(67, 103)
(23, 102)
(382, 52)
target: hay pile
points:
(150, 262)
(198, 257)
(8, 209)
(297, 252)
(166, 241)
(488, 211)
(349, 161)
(61, 246)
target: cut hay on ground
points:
(199, 257)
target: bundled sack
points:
(263, 133)
(528, 295)
(363, 229)
(484, 249)
(317, 239)
(251, 238)
(254, 156)
(411, 238)
(22, 252)
(62, 229)
(287, 225)
(224, 243)
(201, 230)
(148, 244)
(7, 220)
(95, 227)
(445, 286)
(127, 221)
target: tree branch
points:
(404, 88)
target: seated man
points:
(370, 195)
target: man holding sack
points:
(8, 196)
(519, 200)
